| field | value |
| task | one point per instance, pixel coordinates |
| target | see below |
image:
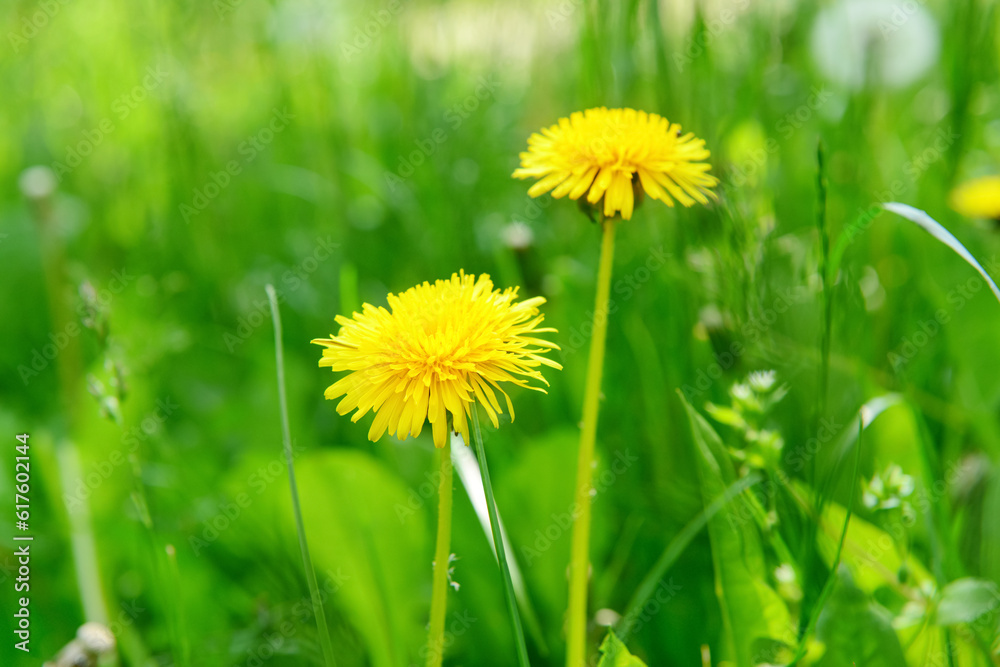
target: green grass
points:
(317, 120)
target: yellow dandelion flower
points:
(435, 352)
(978, 198)
(610, 153)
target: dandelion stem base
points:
(576, 654)
(442, 554)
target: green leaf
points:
(614, 653)
(856, 631)
(935, 229)
(726, 415)
(869, 552)
(751, 610)
(370, 547)
(965, 600)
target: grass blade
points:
(832, 578)
(935, 229)
(491, 504)
(468, 471)
(286, 436)
(750, 608)
(673, 551)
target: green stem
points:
(491, 505)
(832, 578)
(178, 622)
(286, 436)
(579, 550)
(442, 556)
(83, 546)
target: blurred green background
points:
(194, 152)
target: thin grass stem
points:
(832, 578)
(286, 436)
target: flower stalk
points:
(579, 550)
(442, 557)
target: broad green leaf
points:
(751, 610)
(371, 542)
(935, 229)
(927, 644)
(855, 630)
(614, 653)
(965, 600)
(869, 552)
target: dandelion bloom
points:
(609, 153)
(438, 350)
(979, 198)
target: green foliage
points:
(855, 630)
(751, 610)
(614, 653)
(138, 351)
(965, 601)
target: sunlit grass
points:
(364, 170)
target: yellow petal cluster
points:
(978, 198)
(610, 153)
(435, 352)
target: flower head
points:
(889, 489)
(979, 198)
(610, 153)
(435, 352)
